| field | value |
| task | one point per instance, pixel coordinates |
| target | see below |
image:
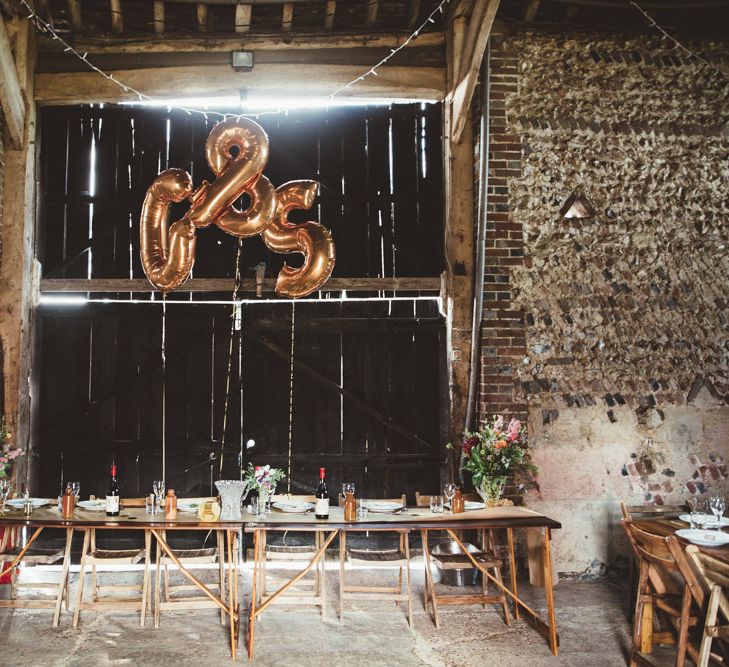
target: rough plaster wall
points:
(626, 372)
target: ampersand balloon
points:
(309, 238)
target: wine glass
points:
(717, 505)
(347, 487)
(76, 488)
(158, 487)
(5, 488)
(449, 490)
(693, 505)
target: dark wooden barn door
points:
(367, 381)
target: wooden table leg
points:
(145, 581)
(512, 568)
(429, 586)
(231, 593)
(254, 593)
(63, 584)
(549, 592)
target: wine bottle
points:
(112, 495)
(321, 510)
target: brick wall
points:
(609, 334)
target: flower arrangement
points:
(495, 452)
(8, 453)
(263, 478)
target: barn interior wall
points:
(608, 333)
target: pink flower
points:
(513, 430)
(499, 423)
(14, 453)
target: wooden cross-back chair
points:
(637, 512)
(377, 558)
(713, 576)
(166, 595)
(488, 558)
(10, 547)
(665, 587)
(93, 557)
(307, 591)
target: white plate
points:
(93, 505)
(704, 538)
(473, 505)
(705, 519)
(293, 507)
(382, 506)
(19, 502)
(188, 506)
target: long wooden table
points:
(414, 518)
(154, 525)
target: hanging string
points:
(291, 397)
(164, 387)
(677, 44)
(236, 306)
(45, 27)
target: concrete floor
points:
(591, 622)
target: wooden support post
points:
(74, 14)
(159, 16)
(482, 19)
(117, 20)
(203, 24)
(372, 7)
(413, 13)
(459, 252)
(530, 9)
(329, 14)
(17, 266)
(242, 18)
(287, 17)
(11, 97)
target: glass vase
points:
(232, 492)
(491, 490)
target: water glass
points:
(150, 504)
(436, 504)
(254, 509)
(361, 508)
(5, 488)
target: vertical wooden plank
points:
(430, 189)
(355, 244)
(159, 16)
(77, 221)
(378, 186)
(242, 17)
(106, 215)
(409, 242)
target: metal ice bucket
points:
(454, 568)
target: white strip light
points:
(78, 300)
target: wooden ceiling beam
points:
(117, 19)
(287, 17)
(242, 17)
(329, 14)
(273, 80)
(413, 13)
(530, 8)
(159, 17)
(372, 8)
(11, 96)
(479, 31)
(74, 14)
(192, 43)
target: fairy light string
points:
(45, 27)
(678, 45)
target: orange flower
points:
(500, 444)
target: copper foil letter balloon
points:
(237, 174)
(309, 238)
(167, 255)
(237, 152)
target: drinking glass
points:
(5, 488)
(347, 487)
(254, 506)
(717, 505)
(150, 504)
(436, 504)
(449, 490)
(76, 488)
(693, 505)
(361, 508)
(158, 486)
